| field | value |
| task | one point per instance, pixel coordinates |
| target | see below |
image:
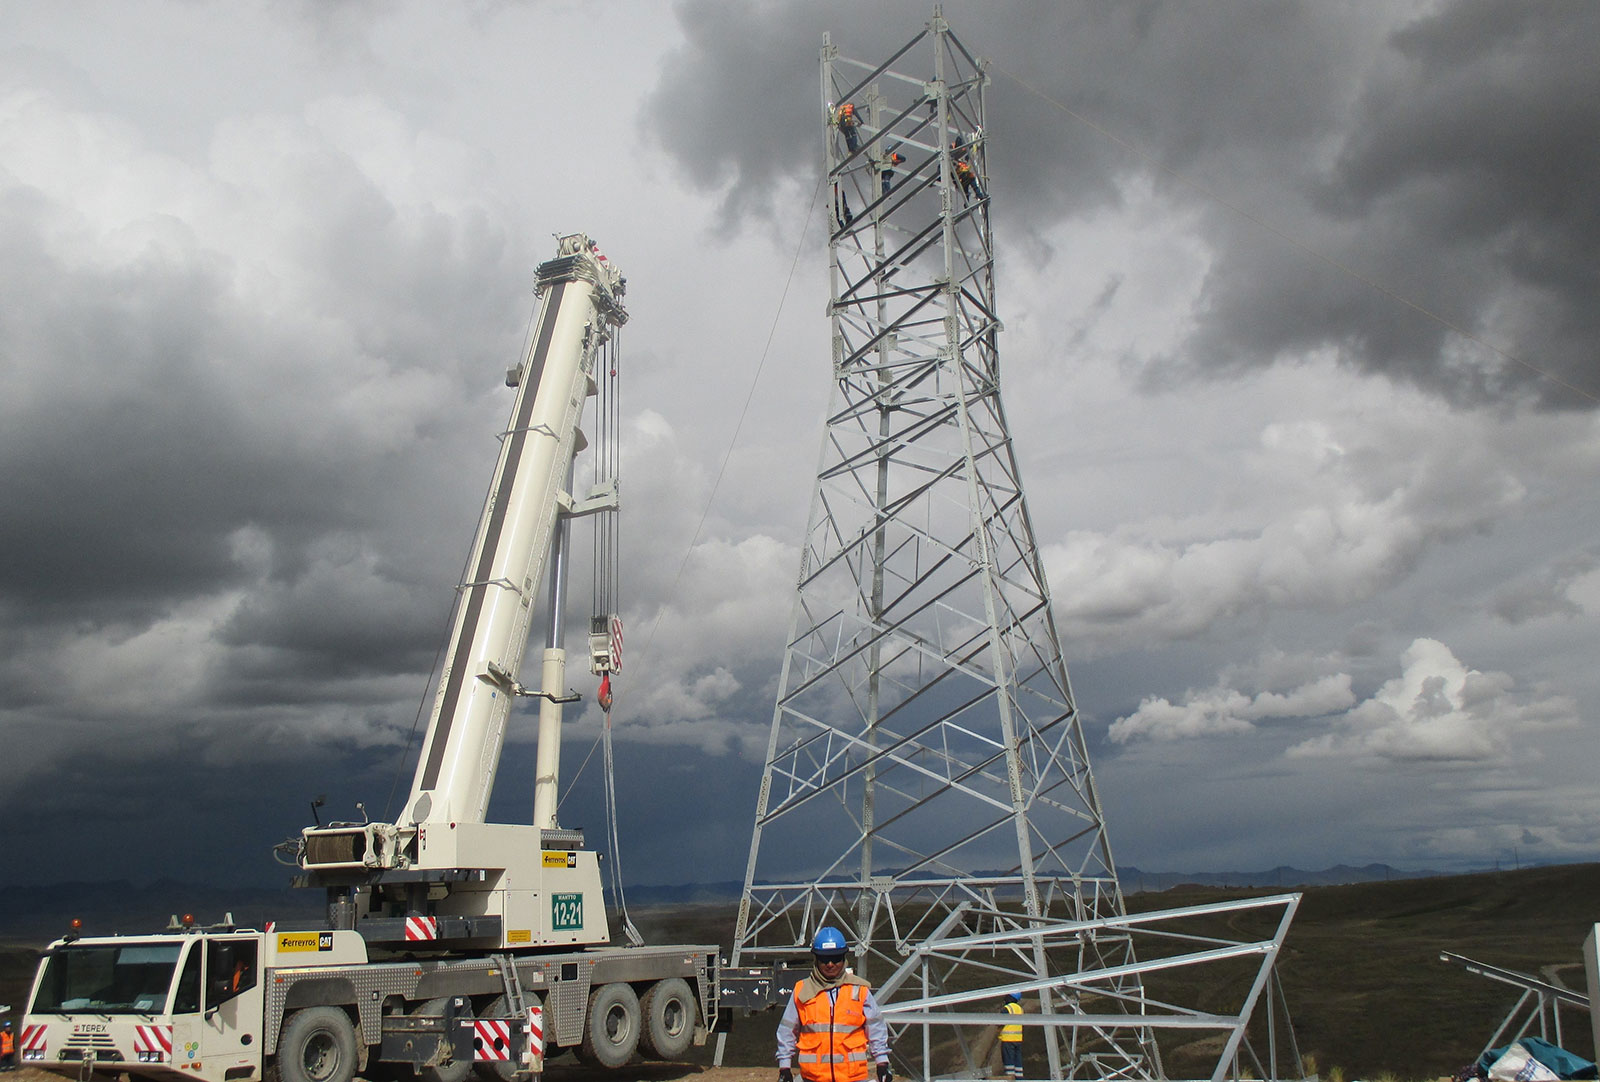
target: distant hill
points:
(42, 912)
(39, 913)
(684, 893)
(1134, 880)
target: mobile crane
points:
(450, 942)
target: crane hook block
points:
(605, 644)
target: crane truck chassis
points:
(232, 1005)
(450, 943)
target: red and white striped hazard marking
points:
(33, 1038)
(152, 1039)
(535, 1031)
(421, 928)
(616, 644)
(598, 254)
(491, 1039)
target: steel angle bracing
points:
(924, 733)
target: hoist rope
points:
(606, 552)
(607, 467)
(605, 733)
(616, 851)
(733, 439)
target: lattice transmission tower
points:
(927, 776)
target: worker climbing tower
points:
(927, 779)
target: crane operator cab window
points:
(230, 969)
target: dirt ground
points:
(567, 1071)
(659, 1072)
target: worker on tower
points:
(841, 208)
(968, 179)
(886, 168)
(845, 119)
(1011, 1040)
(832, 1027)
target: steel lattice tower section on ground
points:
(927, 770)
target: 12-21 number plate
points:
(566, 912)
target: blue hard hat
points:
(829, 942)
(1016, 997)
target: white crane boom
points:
(461, 752)
(487, 884)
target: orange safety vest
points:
(8, 1042)
(831, 1045)
(847, 114)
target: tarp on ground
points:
(1561, 1063)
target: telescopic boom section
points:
(581, 301)
(580, 306)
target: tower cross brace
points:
(926, 773)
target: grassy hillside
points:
(1361, 970)
(1367, 988)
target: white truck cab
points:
(149, 1006)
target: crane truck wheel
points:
(499, 1070)
(611, 1030)
(456, 1070)
(318, 1044)
(668, 1009)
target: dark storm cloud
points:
(156, 453)
(737, 103)
(139, 462)
(726, 107)
(1482, 145)
(1446, 162)
(194, 821)
(247, 411)
(68, 531)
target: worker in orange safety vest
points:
(848, 124)
(8, 1048)
(886, 168)
(832, 1028)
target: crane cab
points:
(183, 1004)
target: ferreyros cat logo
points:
(304, 942)
(560, 860)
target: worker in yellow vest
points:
(832, 1028)
(1011, 1040)
(968, 180)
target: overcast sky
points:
(1300, 359)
